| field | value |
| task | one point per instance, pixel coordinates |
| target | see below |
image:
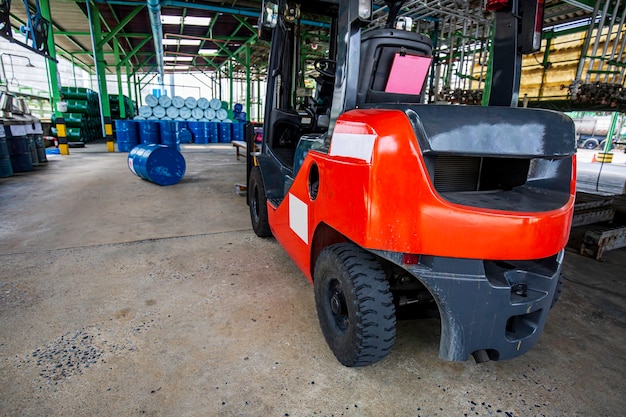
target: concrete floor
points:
(122, 298)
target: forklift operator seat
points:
(384, 50)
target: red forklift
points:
(393, 208)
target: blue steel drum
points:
(127, 134)
(184, 135)
(151, 100)
(169, 135)
(215, 103)
(191, 102)
(149, 132)
(199, 131)
(158, 111)
(241, 116)
(209, 114)
(237, 131)
(165, 101)
(203, 103)
(197, 113)
(213, 132)
(160, 164)
(238, 108)
(172, 112)
(225, 133)
(178, 102)
(6, 170)
(19, 148)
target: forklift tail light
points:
(410, 259)
(496, 5)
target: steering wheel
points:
(325, 67)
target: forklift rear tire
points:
(258, 204)
(354, 305)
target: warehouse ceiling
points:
(203, 35)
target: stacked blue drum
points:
(225, 132)
(169, 133)
(200, 131)
(127, 135)
(149, 132)
(238, 131)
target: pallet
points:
(595, 243)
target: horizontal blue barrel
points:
(225, 132)
(169, 133)
(149, 132)
(237, 128)
(127, 134)
(184, 135)
(200, 132)
(160, 164)
(19, 148)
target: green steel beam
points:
(136, 49)
(118, 73)
(52, 64)
(248, 89)
(120, 25)
(94, 21)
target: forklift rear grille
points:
(502, 183)
(457, 173)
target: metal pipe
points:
(154, 9)
(606, 42)
(585, 48)
(462, 66)
(615, 77)
(596, 43)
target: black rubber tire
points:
(354, 305)
(590, 144)
(258, 204)
(557, 292)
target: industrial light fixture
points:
(207, 52)
(178, 58)
(176, 67)
(182, 42)
(187, 20)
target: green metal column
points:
(105, 109)
(230, 76)
(53, 81)
(609, 136)
(118, 71)
(259, 115)
(130, 94)
(248, 86)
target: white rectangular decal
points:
(359, 146)
(299, 217)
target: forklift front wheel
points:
(354, 305)
(258, 204)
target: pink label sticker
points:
(408, 73)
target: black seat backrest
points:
(378, 51)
